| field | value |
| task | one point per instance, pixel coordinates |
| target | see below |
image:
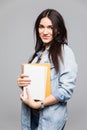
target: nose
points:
(45, 31)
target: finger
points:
(25, 100)
(23, 75)
(28, 92)
(23, 81)
(21, 97)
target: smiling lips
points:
(45, 37)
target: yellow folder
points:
(47, 76)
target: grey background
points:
(17, 18)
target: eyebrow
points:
(47, 26)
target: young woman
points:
(51, 47)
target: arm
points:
(68, 75)
(50, 100)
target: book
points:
(39, 74)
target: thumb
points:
(28, 92)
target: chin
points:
(46, 41)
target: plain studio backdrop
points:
(17, 19)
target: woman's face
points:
(46, 30)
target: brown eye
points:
(41, 26)
(50, 27)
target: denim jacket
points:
(63, 83)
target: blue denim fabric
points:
(34, 118)
(54, 117)
(25, 117)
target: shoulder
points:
(68, 56)
(67, 52)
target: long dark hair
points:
(59, 38)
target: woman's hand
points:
(29, 100)
(23, 80)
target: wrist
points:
(39, 105)
(42, 105)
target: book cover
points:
(39, 75)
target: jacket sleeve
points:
(67, 76)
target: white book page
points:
(37, 75)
